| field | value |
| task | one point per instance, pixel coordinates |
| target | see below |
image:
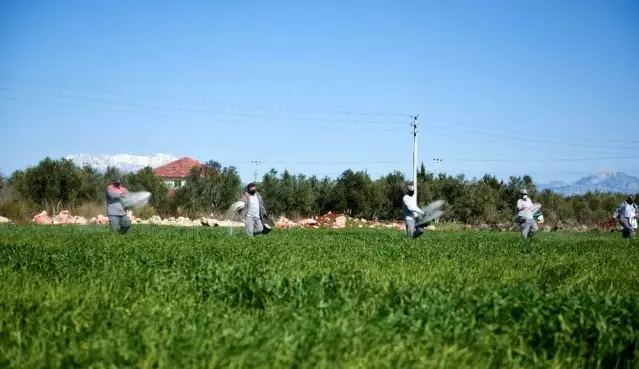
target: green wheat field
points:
(81, 297)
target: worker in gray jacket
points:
(627, 214)
(524, 215)
(254, 211)
(411, 213)
(118, 220)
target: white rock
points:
(340, 222)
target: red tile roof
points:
(180, 168)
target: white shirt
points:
(524, 208)
(410, 206)
(253, 206)
(627, 210)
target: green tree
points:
(207, 190)
(145, 180)
(352, 193)
(57, 184)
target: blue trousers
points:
(119, 223)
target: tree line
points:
(56, 184)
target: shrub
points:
(144, 212)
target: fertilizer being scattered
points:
(431, 211)
(136, 199)
(234, 213)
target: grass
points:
(200, 298)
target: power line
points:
(544, 160)
(447, 123)
(213, 112)
(160, 97)
(527, 141)
(519, 139)
(532, 140)
(334, 128)
(329, 162)
(342, 128)
(431, 120)
(438, 161)
(453, 173)
(198, 119)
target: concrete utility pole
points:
(415, 123)
(437, 162)
(255, 165)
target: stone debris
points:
(284, 222)
(307, 222)
(329, 220)
(101, 219)
(337, 221)
(43, 218)
(340, 222)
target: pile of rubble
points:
(337, 221)
(64, 217)
(330, 220)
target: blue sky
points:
(502, 87)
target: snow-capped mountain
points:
(124, 162)
(603, 182)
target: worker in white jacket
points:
(527, 225)
(627, 214)
(411, 212)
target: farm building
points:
(175, 173)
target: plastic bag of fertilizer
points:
(268, 226)
(136, 199)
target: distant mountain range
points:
(603, 182)
(124, 162)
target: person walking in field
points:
(627, 214)
(253, 212)
(118, 220)
(411, 213)
(524, 216)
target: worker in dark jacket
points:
(254, 211)
(118, 219)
